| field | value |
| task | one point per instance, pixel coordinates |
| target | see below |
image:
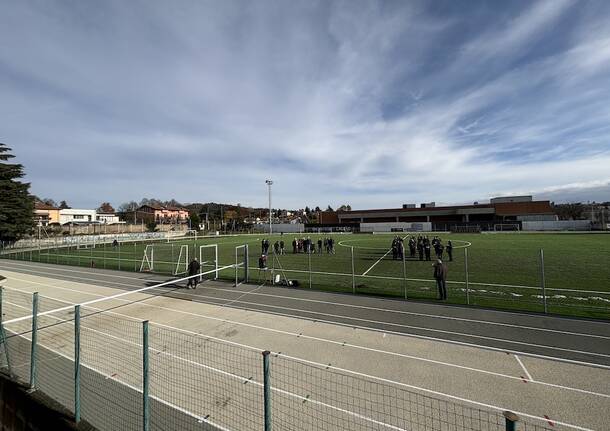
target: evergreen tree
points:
(63, 205)
(16, 203)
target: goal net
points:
(165, 259)
(208, 258)
(241, 264)
(466, 229)
(508, 227)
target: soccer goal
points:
(165, 259)
(241, 264)
(208, 257)
(466, 229)
(507, 227)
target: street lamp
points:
(269, 184)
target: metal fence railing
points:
(121, 373)
(538, 281)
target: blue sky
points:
(360, 102)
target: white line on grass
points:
(50, 266)
(343, 344)
(395, 332)
(34, 271)
(381, 258)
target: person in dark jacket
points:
(420, 248)
(427, 248)
(440, 275)
(193, 269)
(449, 250)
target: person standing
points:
(427, 248)
(282, 247)
(294, 246)
(319, 245)
(440, 275)
(276, 247)
(193, 270)
(449, 249)
(420, 248)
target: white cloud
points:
(337, 101)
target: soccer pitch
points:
(502, 270)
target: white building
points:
(73, 215)
(108, 218)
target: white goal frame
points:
(203, 262)
(243, 264)
(184, 251)
(148, 259)
(502, 225)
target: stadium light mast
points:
(269, 184)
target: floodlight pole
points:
(269, 184)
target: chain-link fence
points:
(121, 373)
(539, 280)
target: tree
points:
(195, 220)
(16, 203)
(307, 210)
(329, 208)
(344, 208)
(63, 205)
(317, 209)
(130, 206)
(49, 202)
(151, 226)
(105, 207)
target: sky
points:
(366, 103)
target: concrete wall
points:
(21, 411)
(396, 227)
(556, 225)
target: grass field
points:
(504, 270)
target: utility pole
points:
(269, 184)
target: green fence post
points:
(542, 280)
(404, 270)
(34, 341)
(135, 253)
(119, 247)
(267, 390)
(77, 363)
(353, 270)
(3, 340)
(145, 400)
(466, 273)
(511, 420)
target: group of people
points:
(421, 246)
(300, 245)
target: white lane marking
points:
(114, 377)
(398, 325)
(529, 376)
(341, 304)
(307, 398)
(355, 346)
(62, 268)
(349, 372)
(366, 307)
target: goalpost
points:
(165, 258)
(241, 264)
(507, 227)
(206, 260)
